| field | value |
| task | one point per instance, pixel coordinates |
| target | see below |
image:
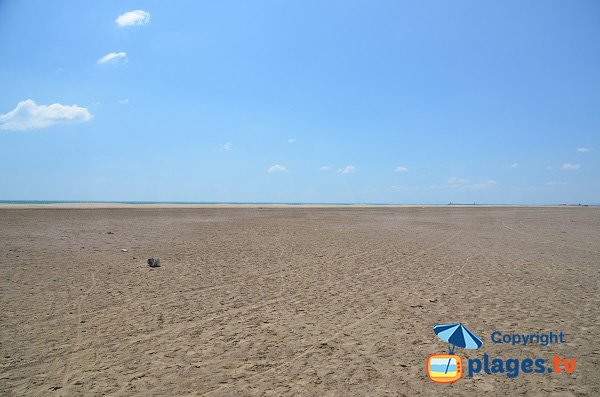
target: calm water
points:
(148, 202)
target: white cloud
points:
(401, 169)
(584, 149)
(454, 181)
(325, 168)
(514, 165)
(458, 183)
(569, 166)
(349, 169)
(276, 168)
(549, 167)
(400, 188)
(483, 185)
(136, 17)
(554, 183)
(292, 140)
(123, 101)
(113, 57)
(29, 115)
(226, 147)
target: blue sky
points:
(300, 101)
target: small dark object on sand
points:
(154, 262)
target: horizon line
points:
(286, 203)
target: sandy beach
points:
(303, 301)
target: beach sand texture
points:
(291, 301)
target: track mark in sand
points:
(242, 277)
(549, 241)
(222, 314)
(280, 266)
(275, 273)
(343, 329)
(382, 265)
(79, 334)
(278, 298)
(562, 240)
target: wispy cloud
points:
(123, 101)
(483, 185)
(113, 57)
(555, 183)
(569, 166)
(549, 168)
(514, 165)
(458, 183)
(276, 168)
(136, 17)
(454, 181)
(28, 115)
(226, 147)
(349, 169)
(325, 168)
(292, 140)
(584, 149)
(400, 169)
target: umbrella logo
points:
(447, 368)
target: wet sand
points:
(333, 301)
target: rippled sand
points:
(290, 301)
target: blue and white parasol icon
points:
(457, 335)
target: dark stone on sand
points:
(154, 262)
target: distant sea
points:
(158, 202)
(269, 202)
